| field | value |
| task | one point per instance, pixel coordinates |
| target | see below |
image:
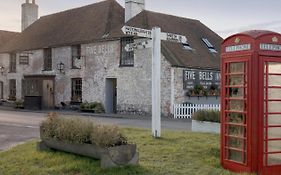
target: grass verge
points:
(176, 153)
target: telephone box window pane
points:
(237, 67)
(236, 80)
(236, 143)
(274, 119)
(274, 93)
(236, 156)
(236, 118)
(274, 68)
(274, 146)
(236, 130)
(274, 133)
(236, 92)
(274, 80)
(274, 159)
(236, 105)
(274, 106)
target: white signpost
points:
(156, 36)
(140, 45)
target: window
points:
(13, 62)
(13, 89)
(31, 87)
(209, 45)
(48, 59)
(76, 90)
(127, 58)
(76, 56)
(186, 46)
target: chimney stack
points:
(133, 7)
(29, 14)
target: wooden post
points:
(156, 82)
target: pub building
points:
(79, 55)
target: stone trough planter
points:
(202, 126)
(110, 157)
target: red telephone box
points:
(251, 103)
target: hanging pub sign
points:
(24, 58)
(207, 79)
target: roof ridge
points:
(76, 8)
(9, 31)
(160, 13)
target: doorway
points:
(48, 94)
(111, 95)
(38, 92)
(1, 90)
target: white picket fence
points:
(186, 110)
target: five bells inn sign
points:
(205, 78)
(154, 38)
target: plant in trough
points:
(74, 130)
(107, 136)
(207, 115)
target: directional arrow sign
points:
(134, 31)
(128, 30)
(140, 45)
(173, 37)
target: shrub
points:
(207, 115)
(19, 104)
(107, 136)
(80, 131)
(99, 108)
(95, 106)
(71, 130)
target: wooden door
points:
(1, 90)
(48, 94)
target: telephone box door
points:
(235, 117)
(271, 118)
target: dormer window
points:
(186, 46)
(209, 45)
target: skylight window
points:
(209, 45)
(186, 46)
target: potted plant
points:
(206, 121)
(19, 104)
(213, 90)
(84, 138)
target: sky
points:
(225, 17)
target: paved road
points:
(17, 127)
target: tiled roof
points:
(7, 36)
(194, 30)
(104, 20)
(73, 26)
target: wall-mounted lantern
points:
(2, 69)
(60, 67)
